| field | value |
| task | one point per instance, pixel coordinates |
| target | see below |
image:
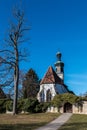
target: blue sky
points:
(57, 25)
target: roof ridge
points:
(51, 77)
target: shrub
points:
(9, 105)
(42, 107)
(20, 105)
(2, 105)
(38, 108)
(30, 105)
(45, 106)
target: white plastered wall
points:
(45, 88)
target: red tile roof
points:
(51, 77)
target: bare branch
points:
(9, 51)
(25, 29)
(7, 83)
(23, 40)
(4, 61)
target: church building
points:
(53, 82)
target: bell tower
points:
(59, 65)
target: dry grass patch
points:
(25, 122)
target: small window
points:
(42, 96)
(49, 96)
(61, 69)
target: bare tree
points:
(13, 54)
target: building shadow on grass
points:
(67, 126)
(21, 126)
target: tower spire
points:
(59, 65)
(59, 56)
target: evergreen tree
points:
(30, 84)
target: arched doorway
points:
(68, 107)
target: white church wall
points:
(85, 107)
(52, 109)
(45, 88)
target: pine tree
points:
(30, 84)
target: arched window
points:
(48, 95)
(42, 96)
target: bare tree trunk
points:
(16, 80)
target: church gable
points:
(51, 77)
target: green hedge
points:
(30, 105)
(42, 107)
(3, 105)
(9, 105)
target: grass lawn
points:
(76, 122)
(25, 122)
